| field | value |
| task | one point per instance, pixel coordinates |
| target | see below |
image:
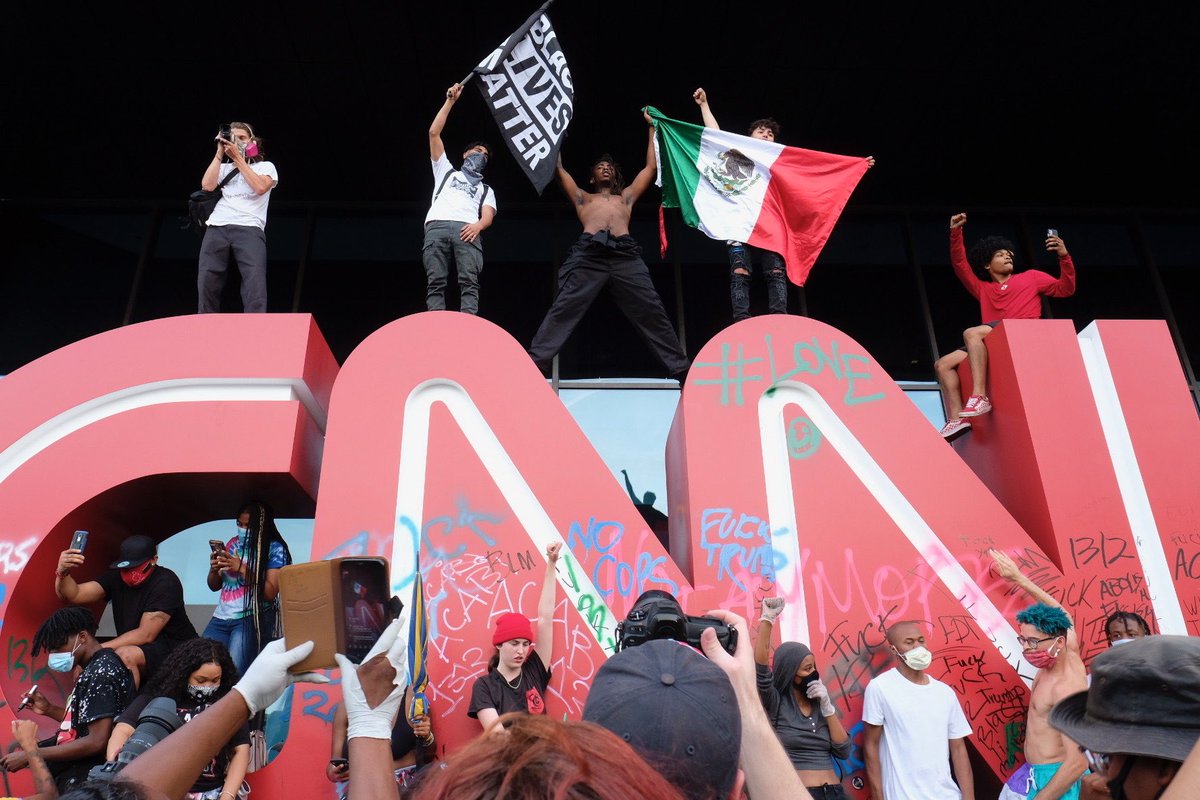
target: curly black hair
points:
(62, 623)
(106, 790)
(766, 122)
(171, 679)
(983, 250)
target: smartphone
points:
(342, 605)
(79, 541)
(365, 594)
(340, 763)
(1051, 232)
(226, 133)
(216, 545)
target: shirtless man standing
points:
(1050, 644)
(606, 254)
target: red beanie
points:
(512, 626)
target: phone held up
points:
(79, 541)
(342, 605)
(216, 545)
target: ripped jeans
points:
(741, 257)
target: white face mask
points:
(1116, 642)
(918, 658)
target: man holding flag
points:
(605, 254)
(757, 195)
(463, 207)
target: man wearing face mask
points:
(1048, 639)
(147, 603)
(238, 223)
(915, 728)
(103, 690)
(463, 207)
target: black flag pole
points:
(512, 41)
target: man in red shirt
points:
(1002, 294)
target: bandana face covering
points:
(1042, 659)
(473, 166)
(136, 576)
(202, 694)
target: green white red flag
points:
(737, 188)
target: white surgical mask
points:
(918, 658)
(1116, 642)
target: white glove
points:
(818, 691)
(377, 722)
(267, 676)
(772, 608)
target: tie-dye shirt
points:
(232, 603)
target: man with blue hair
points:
(1054, 764)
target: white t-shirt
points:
(918, 723)
(459, 200)
(239, 203)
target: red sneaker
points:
(954, 428)
(977, 405)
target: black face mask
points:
(807, 681)
(1116, 786)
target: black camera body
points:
(158, 719)
(658, 615)
(227, 133)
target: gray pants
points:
(248, 246)
(442, 246)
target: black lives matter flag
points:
(526, 83)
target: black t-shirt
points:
(162, 591)
(493, 691)
(213, 774)
(103, 690)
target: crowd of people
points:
(730, 717)
(463, 206)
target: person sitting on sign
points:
(517, 674)
(462, 208)
(1002, 294)
(605, 254)
(742, 255)
(413, 746)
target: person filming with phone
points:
(245, 570)
(147, 602)
(237, 225)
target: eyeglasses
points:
(1097, 762)
(1031, 644)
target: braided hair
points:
(63, 623)
(105, 790)
(261, 534)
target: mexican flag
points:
(782, 199)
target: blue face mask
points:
(63, 662)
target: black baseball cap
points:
(135, 551)
(677, 709)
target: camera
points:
(658, 615)
(158, 719)
(227, 133)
